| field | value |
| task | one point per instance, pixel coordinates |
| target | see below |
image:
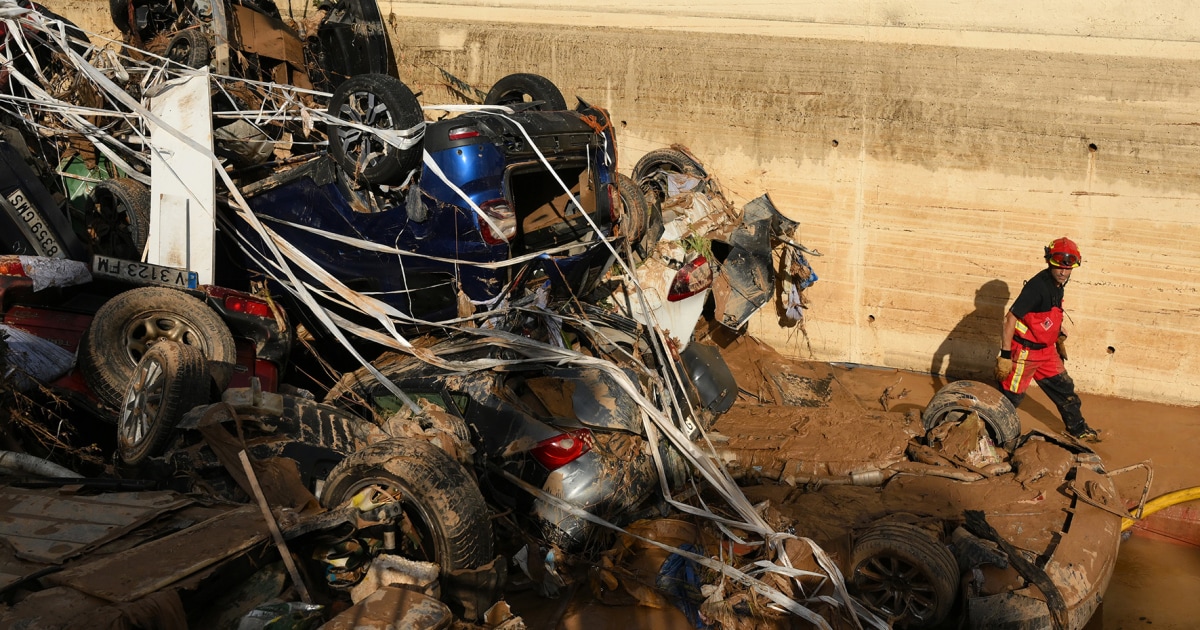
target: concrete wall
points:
(930, 150)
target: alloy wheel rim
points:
(142, 402)
(150, 328)
(896, 587)
(366, 109)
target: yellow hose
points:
(1162, 502)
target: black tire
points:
(169, 381)
(953, 401)
(118, 218)
(189, 47)
(125, 328)
(903, 573)
(445, 512)
(650, 172)
(382, 102)
(634, 220)
(516, 89)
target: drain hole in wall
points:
(1111, 349)
(871, 318)
(1092, 147)
(834, 143)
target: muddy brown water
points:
(1156, 586)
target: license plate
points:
(143, 273)
(35, 227)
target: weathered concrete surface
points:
(930, 151)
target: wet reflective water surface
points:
(1156, 586)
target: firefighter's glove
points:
(1061, 346)
(1004, 365)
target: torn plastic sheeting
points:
(28, 354)
(367, 305)
(372, 307)
(120, 96)
(17, 19)
(364, 303)
(387, 249)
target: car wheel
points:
(650, 172)
(188, 47)
(169, 381)
(118, 10)
(126, 327)
(634, 221)
(381, 102)
(442, 517)
(902, 572)
(953, 401)
(119, 218)
(516, 89)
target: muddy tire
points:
(125, 328)
(634, 220)
(118, 221)
(903, 573)
(516, 89)
(642, 221)
(651, 171)
(445, 518)
(953, 401)
(188, 47)
(169, 381)
(382, 102)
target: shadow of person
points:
(969, 351)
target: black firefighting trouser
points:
(1061, 391)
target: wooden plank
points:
(134, 573)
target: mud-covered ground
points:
(833, 420)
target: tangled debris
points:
(529, 393)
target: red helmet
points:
(1064, 253)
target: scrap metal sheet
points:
(134, 573)
(48, 528)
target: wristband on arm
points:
(1006, 354)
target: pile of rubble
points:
(522, 382)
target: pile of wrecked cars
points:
(525, 380)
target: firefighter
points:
(1033, 346)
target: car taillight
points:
(505, 219)
(248, 306)
(560, 450)
(11, 266)
(693, 278)
(462, 133)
